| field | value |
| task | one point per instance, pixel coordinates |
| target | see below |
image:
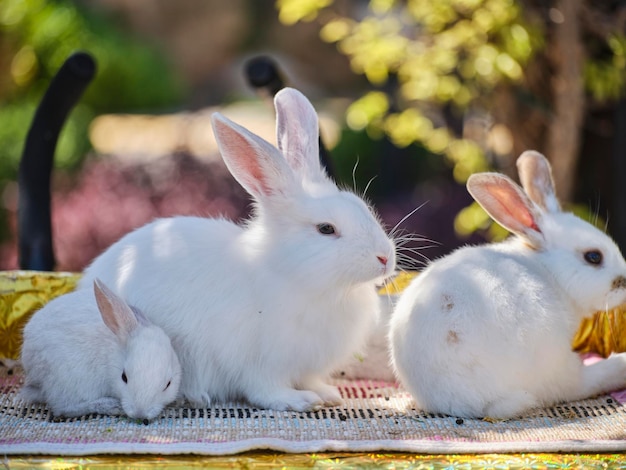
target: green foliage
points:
(36, 36)
(302, 10)
(605, 77)
(451, 52)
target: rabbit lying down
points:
(264, 310)
(89, 352)
(487, 330)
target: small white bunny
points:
(265, 310)
(486, 331)
(89, 352)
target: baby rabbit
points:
(94, 354)
(265, 310)
(487, 330)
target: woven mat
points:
(375, 417)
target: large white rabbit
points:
(266, 310)
(89, 352)
(487, 330)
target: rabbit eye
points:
(168, 385)
(326, 229)
(593, 257)
(124, 378)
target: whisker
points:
(367, 186)
(393, 230)
(403, 240)
(419, 260)
(356, 164)
(408, 261)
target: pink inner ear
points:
(106, 309)
(511, 204)
(507, 206)
(246, 162)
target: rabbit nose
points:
(383, 260)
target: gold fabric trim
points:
(22, 293)
(326, 460)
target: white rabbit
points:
(487, 330)
(374, 361)
(89, 352)
(266, 310)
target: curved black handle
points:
(34, 218)
(264, 76)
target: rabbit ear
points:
(116, 313)
(508, 205)
(536, 177)
(297, 132)
(255, 163)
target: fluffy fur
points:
(374, 361)
(265, 310)
(79, 348)
(487, 330)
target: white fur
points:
(75, 350)
(374, 361)
(266, 310)
(487, 330)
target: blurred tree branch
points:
(568, 91)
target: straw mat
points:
(375, 417)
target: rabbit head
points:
(301, 217)
(147, 374)
(584, 261)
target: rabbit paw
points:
(203, 400)
(511, 406)
(107, 406)
(328, 393)
(102, 406)
(290, 399)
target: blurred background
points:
(413, 97)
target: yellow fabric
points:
(22, 294)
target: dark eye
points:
(325, 229)
(124, 378)
(168, 385)
(593, 257)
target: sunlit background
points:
(413, 97)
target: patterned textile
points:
(375, 417)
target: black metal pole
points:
(34, 216)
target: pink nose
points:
(383, 260)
